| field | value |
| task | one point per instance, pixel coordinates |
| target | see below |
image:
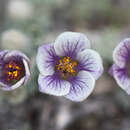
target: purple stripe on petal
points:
(51, 84)
(82, 87)
(121, 77)
(90, 60)
(46, 59)
(16, 55)
(111, 70)
(3, 53)
(70, 43)
(121, 53)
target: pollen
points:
(66, 66)
(13, 71)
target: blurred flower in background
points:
(121, 69)
(19, 9)
(14, 39)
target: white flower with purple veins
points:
(121, 69)
(14, 69)
(68, 67)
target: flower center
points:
(13, 71)
(128, 69)
(66, 67)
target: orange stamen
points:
(66, 66)
(13, 71)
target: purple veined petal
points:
(81, 87)
(52, 85)
(121, 77)
(111, 70)
(3, 53)
(9, 88)
(122, 53)
(16, 53)
(89, 60)
(70, 43)
(46, 59)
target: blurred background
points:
(27, 24)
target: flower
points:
(68, 67)
(120, 70)
(14, 69)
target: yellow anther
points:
(60, 61)
(15, 73)
(74, 63)
(72, 71)
(9, 73)
(10, 66)
(66, 59)
(66, 66)
(17, 67)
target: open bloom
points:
(121, 69)
(68, 67)
(14, 69)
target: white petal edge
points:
(9, 88)
(27, 70)
(120, 52)
(91, 62)
(53, 87)
(67, 41)
(44, 59)
(16, 53)
(122, 80)
(125, 87)
(80, 92)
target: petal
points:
(16, 53)
(3, 53)
(122, 53)
(121, 77)
(89, 60)
(69, 43)
(46, 59)
(9, 88)
(53, 85)
(27, 70)
(81, 87)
